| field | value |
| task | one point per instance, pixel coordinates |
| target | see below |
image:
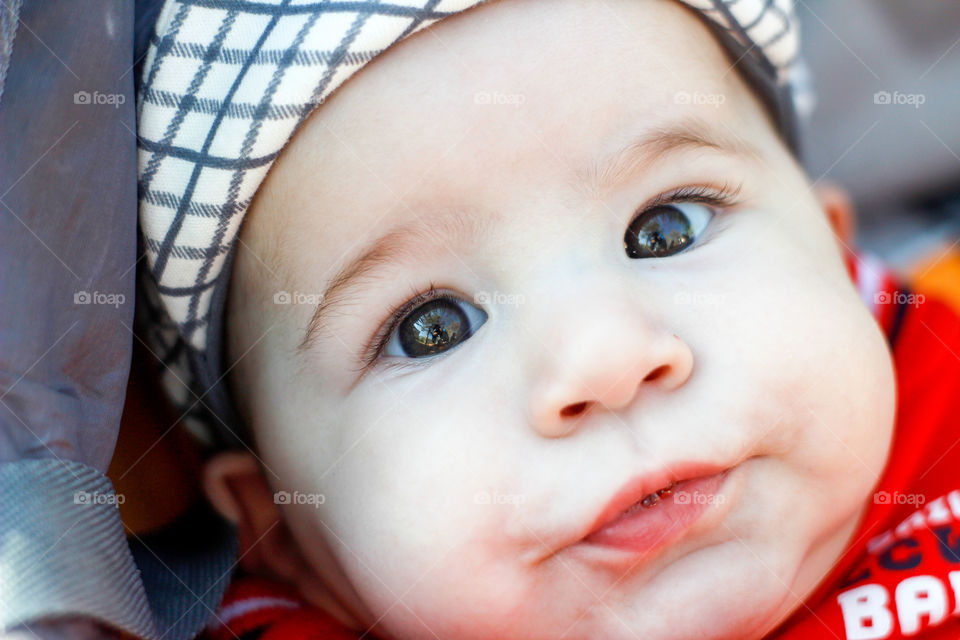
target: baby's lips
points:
(661, 519)
(638, 487)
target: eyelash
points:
(724, 197)
(373, 351)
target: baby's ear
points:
(839, 210)
(234, 483)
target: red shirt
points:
(899, 578)
(259, 609)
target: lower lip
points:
(647, 529)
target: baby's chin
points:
(720, 592)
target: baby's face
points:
(584, 337)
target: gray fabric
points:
(67, 232)
(67, 226)
(68, 252)
(62, 548)
(65, 628)
(9, 19)
(186, 570)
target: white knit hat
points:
(224, 86)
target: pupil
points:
(659, 232)
(434, 327)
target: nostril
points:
(656, 373)
(573, 409)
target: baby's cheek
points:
(852, 409)
(460, 590)
(449, 585)
(415, 495)
(830, 369)
(796, 350)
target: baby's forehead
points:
(460, 93)
(555, 53)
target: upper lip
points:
(639, 486)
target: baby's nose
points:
(604, 366)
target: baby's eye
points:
(666, 229)
(434, 327)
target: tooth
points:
(650, 500)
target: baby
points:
(535, 349)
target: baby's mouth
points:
(643, 526)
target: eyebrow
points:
(459, 228)
(691, 133)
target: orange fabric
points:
(938, 274)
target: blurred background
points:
(886, 125)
